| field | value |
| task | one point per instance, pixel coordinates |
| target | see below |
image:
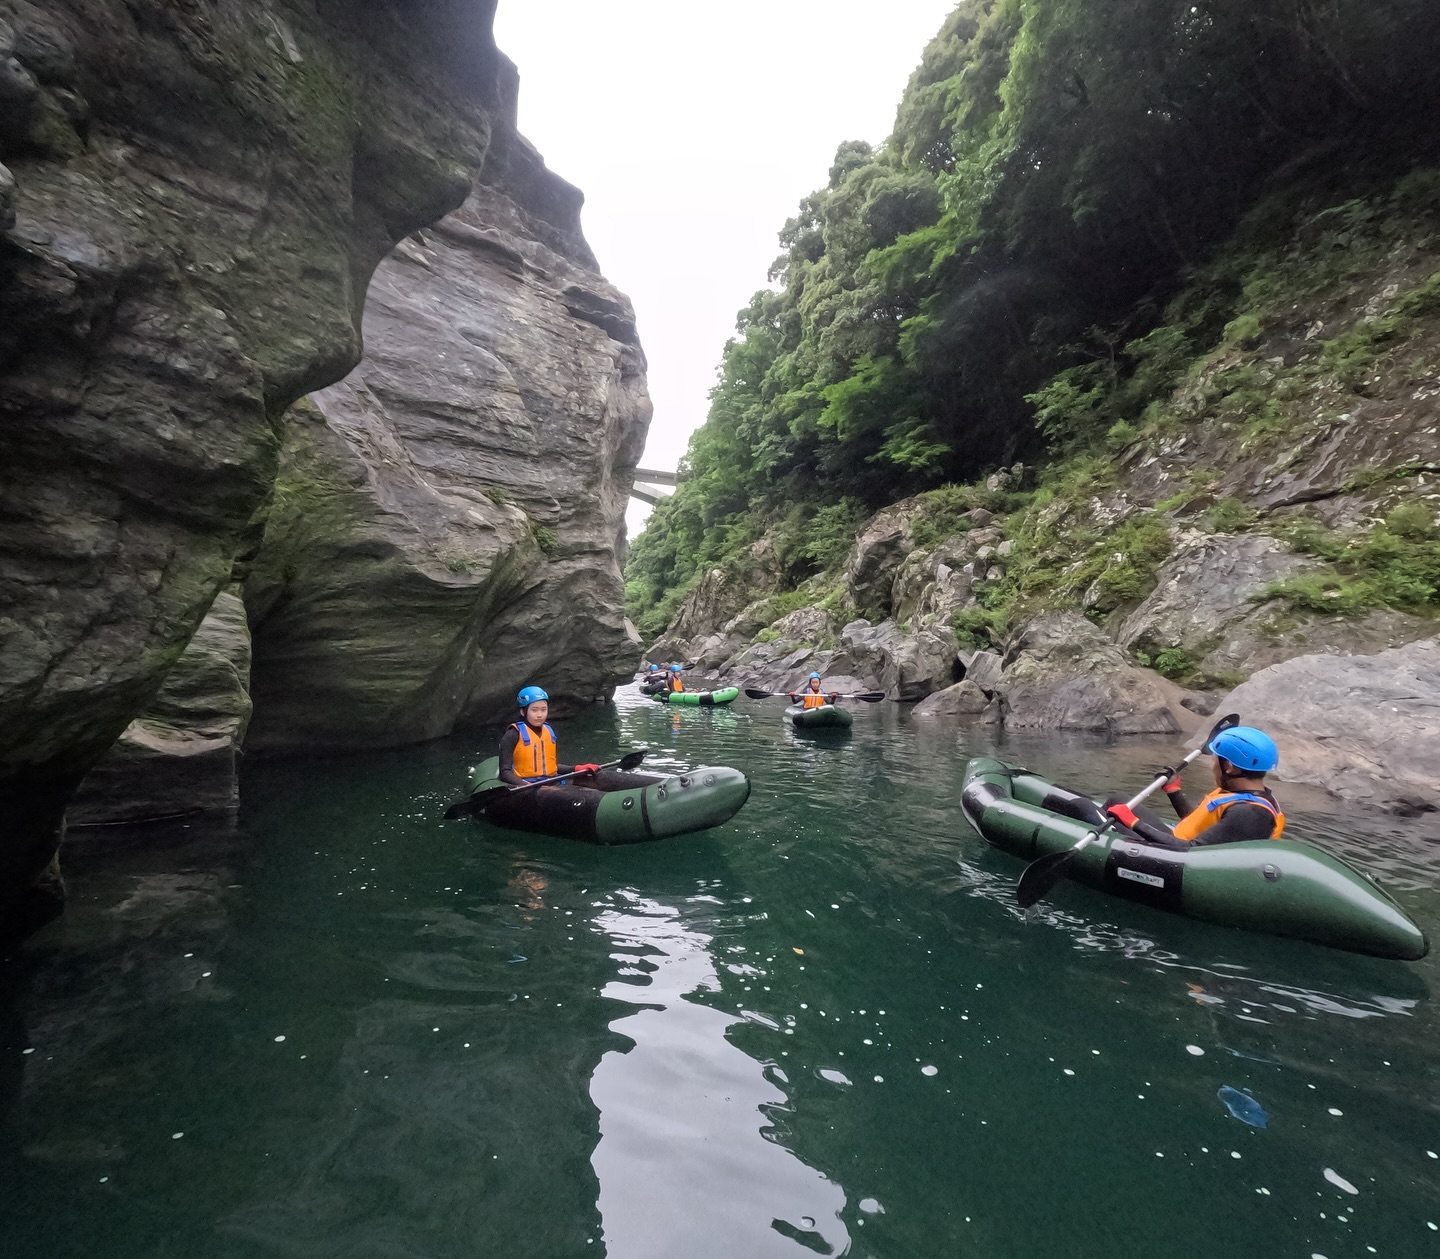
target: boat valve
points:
(1271, 873)
(684, 782)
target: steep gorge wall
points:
(193, 199)
(450, 518)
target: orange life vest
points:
(535, 753)
(677, 684)
(813, 699)
(1211, 809)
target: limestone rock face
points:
(1208, 585)
(200, 194)
(875, 558)
(805, 625)
(1366, 728)
(449, 520)
(181, 756)
(1070, 676)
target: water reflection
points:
(685, 1162)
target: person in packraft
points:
(813, 696)
(529, 749)
(1241, 807)
(677, 679)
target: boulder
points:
(1070, 676)
(181, 756)
(908, 666)
(964, 699)
(1366, 728)
(986, 669)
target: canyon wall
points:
(193, 200)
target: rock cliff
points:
(193, 199)
(449, 520)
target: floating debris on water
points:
(1196, 1050)
(927, 1070)
(1243, 1107)
(1339, 1181)
(871, 1206)
(1336, 1113)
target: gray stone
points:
(1274, 632)
(181, 756)
(7, 198)
(964, 699)
(879, 551)
(1070, 676)
(450, 518)
(1210, 584)
(805, 625)
(908, 666)
(173, 296)
(985, 669)
(1366, 728)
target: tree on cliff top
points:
(1055, 165)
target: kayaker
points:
(1240, 808)
(812, 696)
(677, 680)
(528, 748)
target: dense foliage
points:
(1057, 167)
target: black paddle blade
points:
(1228, 722)
(631, 760)
(472, 805)
(870, 697)
(1040, 876)
(758, 694)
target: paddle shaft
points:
(1044, 872)
(1159, 781)
(467, 806)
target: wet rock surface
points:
(1365, 728)
(182, 755)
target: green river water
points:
(351, 1030)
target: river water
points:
(350, 1030)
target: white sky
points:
(695, 130)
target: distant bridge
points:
(647, 483)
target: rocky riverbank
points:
(193, 201)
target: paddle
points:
(870, 697)
(1042, 874)
(472, 803)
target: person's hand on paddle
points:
(587, 769)
(1171, 776)
(1122, 813)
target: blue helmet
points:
(814, 677)
(652, 668)
(676, 668)
(530, 695)
(1247, 748)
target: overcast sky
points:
(694, 131)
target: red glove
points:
(587, 769)
(1122, 813)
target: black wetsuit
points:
(1238, 823)
(507, 759)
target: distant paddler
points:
(529, 749)
(1241, 807)
(677, 678)
(813, 696)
